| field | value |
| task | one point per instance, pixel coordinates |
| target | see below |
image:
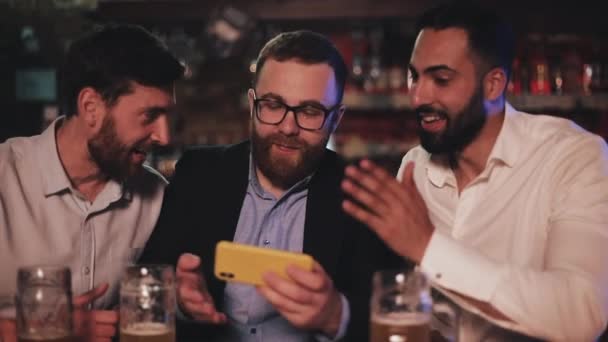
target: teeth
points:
(430, 118)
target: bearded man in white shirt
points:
(79, 194)
(506, 212)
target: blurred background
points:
(561, 66)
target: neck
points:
(83, 172)
(473, 159)
(268, 185)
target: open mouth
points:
(432, 122)
(140, 155)
(287, 148)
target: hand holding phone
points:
(246, 264)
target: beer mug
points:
(44, 304)
(147, 304)
(402, 308)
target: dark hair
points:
(307, 47)
(490, 37)
(109, 59)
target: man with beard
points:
(280, 190)
(506, 212)
(79, 194)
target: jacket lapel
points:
(324, 225)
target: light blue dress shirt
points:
(278, 223)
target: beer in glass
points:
(147, 304)
(44, 304)
(402, 307)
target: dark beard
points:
(460, 130)
(110, 155)
(280, 172)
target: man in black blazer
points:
(279, 190)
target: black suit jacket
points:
(202, 205)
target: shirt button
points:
(438, 275)
(87, 271)
(252, 330)
(266, 242)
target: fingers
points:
(188, 263)
(8, 330)
(105, 317)
(373, 187)
(188, 294)
(205, 311)
(360, 213)
(316, 281)
(281, 303)
(103, 331)
(90, 296)
(408, 174)
(287, 289)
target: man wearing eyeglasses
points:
(279, 190)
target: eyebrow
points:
(432, 69)
(277, 97)
(156, 110)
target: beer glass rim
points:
(48, 274)
(406, 272)
(152, 266)
(166, 271)
(45, 267)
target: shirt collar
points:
(505, 151)
(506, 148)
(55, 176)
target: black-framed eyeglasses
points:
(308, 117)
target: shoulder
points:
(204, 156)
(416, 154)
(562, 137)
(15, 151)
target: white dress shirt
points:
(529, 235)
(44, 220)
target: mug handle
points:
(448, 328)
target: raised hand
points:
(192, 294)
(393, 209)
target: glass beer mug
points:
(402, 308)
(44, 304)
(147, 304)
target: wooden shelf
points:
(598, 102)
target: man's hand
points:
(95, 325)
(8, 330)
(394, 210)
(192, 294)
(309, 301)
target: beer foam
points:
(146, 329)
(401, 318)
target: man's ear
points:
(91, 107)
(494, 83)
(250, 98)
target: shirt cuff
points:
(450, 264)
(344, 319)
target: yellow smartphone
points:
(246, 264)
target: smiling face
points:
(285, 153)
(446, 91)
(136, 123)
